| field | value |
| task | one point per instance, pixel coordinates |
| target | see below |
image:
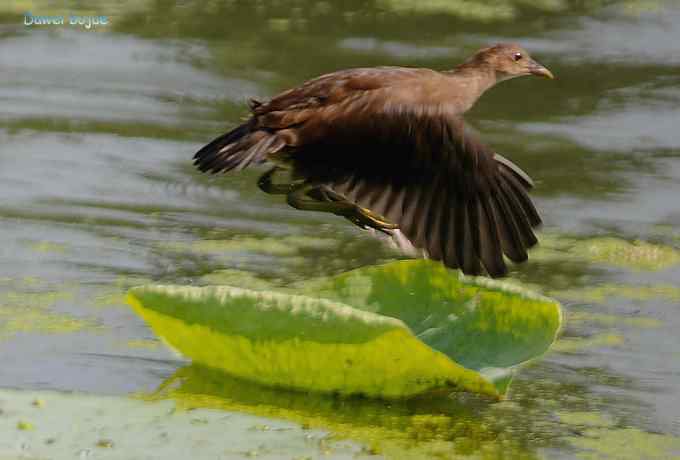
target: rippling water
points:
(97, 130)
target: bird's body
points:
(387, 148)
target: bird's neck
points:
(472, 80)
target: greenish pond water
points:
(97, 131)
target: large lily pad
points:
(389, 331)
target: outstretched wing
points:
(467, 220)
(449, 194)
(392, 140)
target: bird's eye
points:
(517, 56)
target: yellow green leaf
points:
(412, 327)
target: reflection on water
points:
(431, 426)
(541, 417)
(96, 134)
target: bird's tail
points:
(237, 149)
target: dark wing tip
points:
(228, 150)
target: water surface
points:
(97, 129)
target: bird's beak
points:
(537, 69)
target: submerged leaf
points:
(412, 327)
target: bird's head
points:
(509, 61)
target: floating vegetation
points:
(238, 278)
(612, 320)
(284, 246)
(113, 295)
(578, 344)
(623, 291)
(24, 426)
(75, 425)
(48, 247)
(616, 252)
(22, 311)
(600, 438)
(637, 254)
(394, 330)
(143, 344)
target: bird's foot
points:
(358, 215)
(367, 218)
(309, 197)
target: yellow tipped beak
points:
(537, 69)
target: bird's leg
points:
(268, 186)
(377, 221)
(299, 199)
(362, 216)
(337, 204)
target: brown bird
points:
(387, 148)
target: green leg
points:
(299, 199)
(337, 204)
(268, 186)
(374, 220)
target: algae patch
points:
(616, 252)
(601, 438)
(30, 312)
(578, 344)
(239, 278)
(48, 247)
(86, 426)
(143, 344)
(637, 254)
(282, 247)
(471, 10)
(604, 292)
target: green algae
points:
(113, 295)
(601, 438)
(143, 344)
(501, 10)
(74, 426)
(626, 444)
(609, 251)
(108, 299)
(285, 246)
(48, 247)
(603, 292)
(639, 255)
(612, 320)
(14, 321)
(579, 344)
(29, 312)
(39, 300)
(239, 278)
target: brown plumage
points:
(387, 148)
